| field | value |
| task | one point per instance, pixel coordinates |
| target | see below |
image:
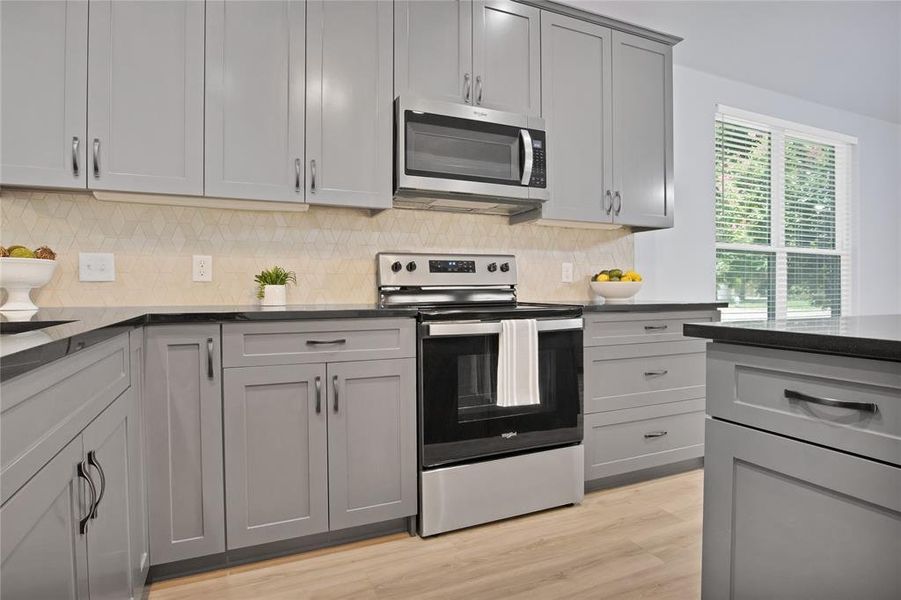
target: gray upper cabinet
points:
(183, 423)
(577, 107)
(44, 56)
(642, 131)
(506, 50)
(349, 103)
(371, 441)
(433, 49)
(276, 461)
(44, 553)
(255, 84)
(106, 445)
(145, 99)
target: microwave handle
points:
(526, 139)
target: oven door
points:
(463, 149)
(460, 418)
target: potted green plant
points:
(272, 285)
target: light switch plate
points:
(566, 273)
(202, 269)
(96, 266)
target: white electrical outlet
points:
(566, 274)
(203, 268)
(96, 266)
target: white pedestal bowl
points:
(21, 275)
(615, 292)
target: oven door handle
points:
(528, 159)
(494, 327)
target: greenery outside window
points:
(782, 218)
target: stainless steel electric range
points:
(480, 461)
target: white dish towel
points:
(517, 363)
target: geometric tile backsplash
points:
(332, 250)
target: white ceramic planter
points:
(19, 276)
(274, 295)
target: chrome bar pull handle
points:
(75, 168)
(318, 394)
(617, 197)
(96, 158)
(867, 407)
(209, 358)
(467, 87)
(313, 176)
(92, 461)
(655, 327)
(654, 434)
(655, 373)
(83, 474)
(326, 342)
(608, 202)
(335, 389)
(296, 174)
(479, 90)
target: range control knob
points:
(505, 267)
(411, 266)
(492, 267)
(396, 266)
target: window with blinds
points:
(782, 218)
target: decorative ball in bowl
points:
(616, 286)
(21, 274)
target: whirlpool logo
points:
(508, 435)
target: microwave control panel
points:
(539, 164)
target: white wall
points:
(679, 263)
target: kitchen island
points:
(802, 491)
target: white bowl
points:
(19, 276)
(615, 292)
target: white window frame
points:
(845, 149)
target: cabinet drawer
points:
(633, 375)
(605, 329)
(296, 342)
(621, 441)
(44, 409)
(753, 386)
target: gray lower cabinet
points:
(43, 553)
(788, 519)
(44, 71)
(349, 110)
(276, 453)
(642, 131)
(255, 78)
(145, 96)
(137, 490)
(371, 441)
(577, 108)
(183, 425)
(433, 49)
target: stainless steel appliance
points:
(464, 158)
(480, 461)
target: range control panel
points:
(423, 270)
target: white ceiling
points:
(841, 54)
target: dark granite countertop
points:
(86, 326)
(870, 336)
(647, 306)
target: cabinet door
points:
(349, 103)
(145, 108)
(43, 553)
(44, 70)
(642, 131)
(786, 519)
(106, 445)
(506, 49)
(183, 422)
(137, 489)
(276, 453)
(371, 441)
(255, 99)
(576, 103)
(433, 49)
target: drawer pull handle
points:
(655, 327)
(654, 434)
(655, 373)
(325, 342)
(868, 407)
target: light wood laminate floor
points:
(638, 541)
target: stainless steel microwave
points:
(468, 158)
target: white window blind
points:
(782, 218)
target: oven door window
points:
(461, 418)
